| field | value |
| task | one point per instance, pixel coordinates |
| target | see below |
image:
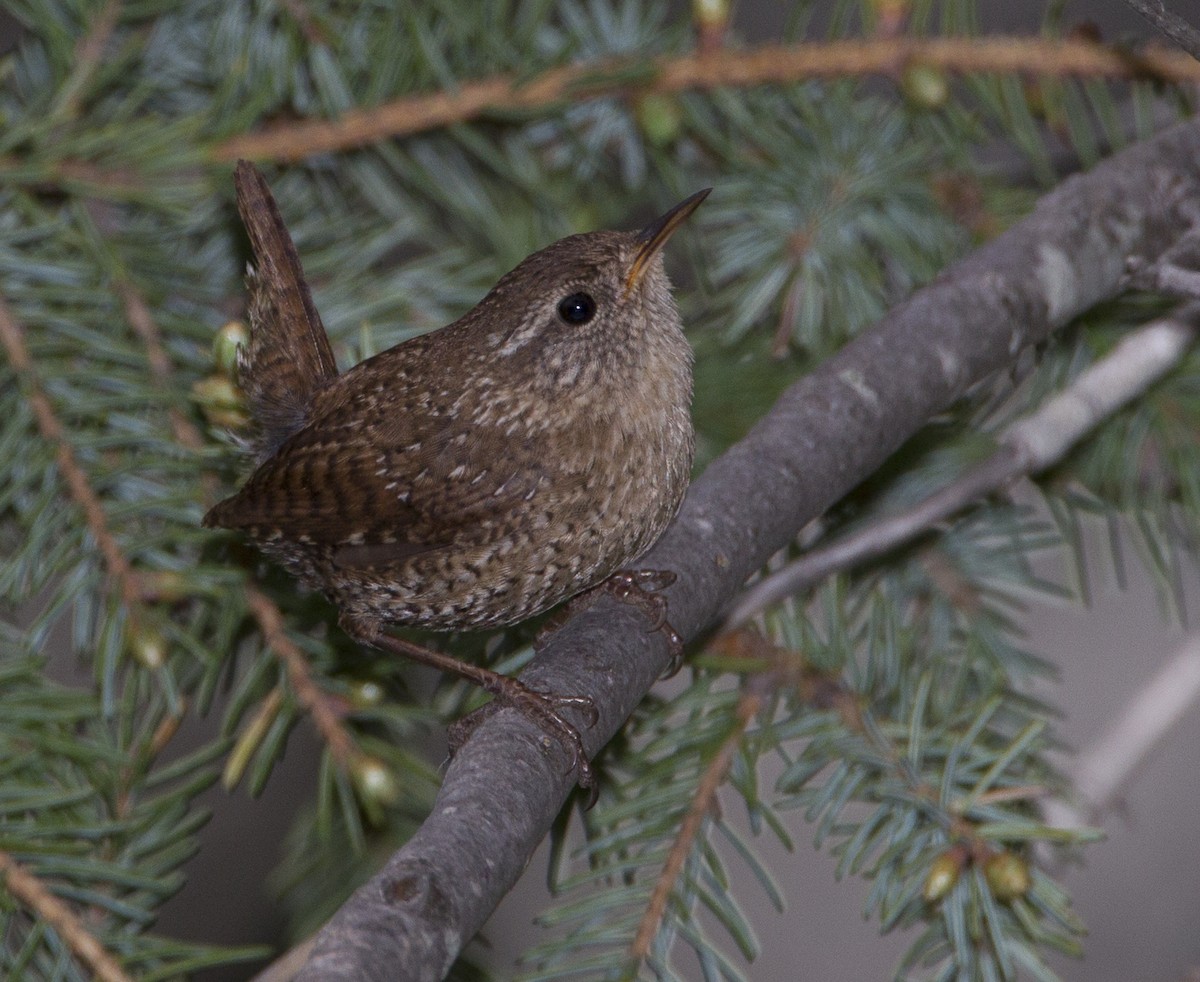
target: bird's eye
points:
(578, 308)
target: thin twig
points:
(1110, 763)
(89, 52)
(311, 28)
(1172, 25)
(1030, 445)
(308, 693)
(72, 174)
(1164, 277)
(32, 893)
(725, 67)
(162, 371)
(137, 313)
(12, 336)
(703, 802)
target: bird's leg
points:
(638, 587)
(540, 708)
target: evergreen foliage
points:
(895, 702)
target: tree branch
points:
(26, 888)
(826, 434)
(705, 70)
(127, 581)
(1029, 446)
(89, 53)
(310, 695)
(1172, 25)
(1104, 770)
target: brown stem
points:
(308, 693)
(309, 26)
(12, 336)
(137, 312)
(724, 67)
(703, 803)
(64, 172)
(88, 54)
(32, 893)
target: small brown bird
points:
(480, 474)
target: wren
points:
(480, 474)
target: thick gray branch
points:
(1172, 25)
(826, 434)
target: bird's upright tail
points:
(289, 358)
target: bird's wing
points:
(378, 500)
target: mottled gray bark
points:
(826, 434)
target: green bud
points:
(925, 86)
(943, 875)
(363, 693)
(225, 347)
(163, 586)
(375, 783)
(146, 643)
(221, 401)
(1008, 876)
(710, 12)
(660, 118)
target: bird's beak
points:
(654, 236)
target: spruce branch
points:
(315, 702)
(1172, 25)
(704, 801)
(28, 890)
(823, 691)
(12, 336)
(1027, 447)
(769, 64)
(825, 435)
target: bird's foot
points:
(638, 587)
(540, 708)
(544, 711)
(641, 588)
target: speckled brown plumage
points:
(482, 473)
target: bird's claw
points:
(640, 587)
(541, 709)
